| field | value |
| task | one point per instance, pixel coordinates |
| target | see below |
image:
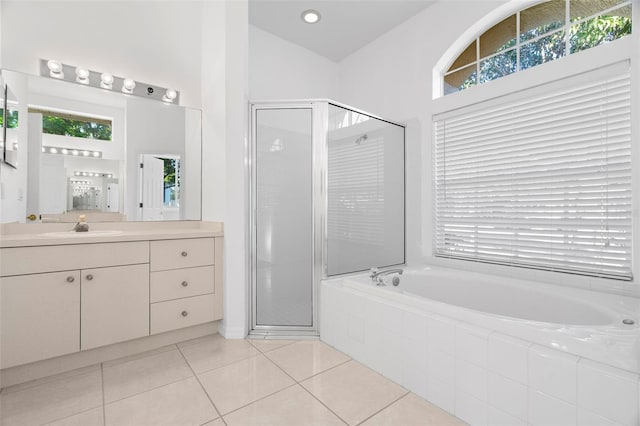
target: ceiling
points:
(345, 26)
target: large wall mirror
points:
(110, 156)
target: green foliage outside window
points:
(12, 119)
(77, 128)
(582, 36)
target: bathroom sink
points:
(72, 234)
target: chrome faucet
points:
(377, 277)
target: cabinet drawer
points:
(31, 260)
(179, 283)
(181, 313)
(185, 253)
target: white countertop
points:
(30, 235)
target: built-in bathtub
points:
(493, 350)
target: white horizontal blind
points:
(539, 179)
(356, 204)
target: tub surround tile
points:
(471, 379)
(471, 409)
(306, 358)
(471, 344)
(51, 401)
(588, 418)
(183, 403)
(353, 391)
(496, 417)
(608, 392)
(142, 374)
(264, 345)
(214, 352)
(553, 373)
(414, 325)
(441, 366)
(241, 383)
(386, 351)
(442, 334)
(292, 406)
(508, 396)
(411, 410)
(508, 356)
(545, 410)
(382, 312)
(443, 394)
(93, 417)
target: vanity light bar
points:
(93, 174)
(71, 151)
(102, 80)
(81, 182)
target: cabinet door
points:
(115, 305)
(39, 317)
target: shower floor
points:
(213, 381)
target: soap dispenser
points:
(82, 225)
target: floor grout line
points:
(202, 387)
(260, 399)
(306, 390)
(104, 409)
(385, 407)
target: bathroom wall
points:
(279, 69)
(199, 48)
(399, 66)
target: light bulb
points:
(82, 75)
(53, 150)
(55, 69)
(75, 152)
(311, 16)
(96, 154)
(85, 153)
(65, 151)
(170, 95)
(106, 81)
(128, 85)
(44, 149)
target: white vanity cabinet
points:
(50, 293)
(183, 283)
(114, 305)
(40, 316)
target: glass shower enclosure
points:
(327, 198)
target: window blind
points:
(540, 178)
(356, 203)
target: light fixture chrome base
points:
(109, 82)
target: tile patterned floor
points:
(216, 382)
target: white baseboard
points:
(48, 367)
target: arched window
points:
(541, 33)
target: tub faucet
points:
(377, 277)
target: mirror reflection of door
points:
(160, 187)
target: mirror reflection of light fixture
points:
(106, 80)
(93, 174)
(128, 85)
(70, 151)
(82, 75)
(169, 95)
(55, 69)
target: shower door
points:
(284, 253)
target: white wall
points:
(392, 77)
(279, 69)
(152, 42)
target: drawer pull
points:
(184, 254)
(184, 283)
(185, 313)
(70, 279)
(89, 277)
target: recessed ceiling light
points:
(311, 16)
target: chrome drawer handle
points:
(70, 279)
(89, 277)
(184, 254)
(185, 313)
(184, 283)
